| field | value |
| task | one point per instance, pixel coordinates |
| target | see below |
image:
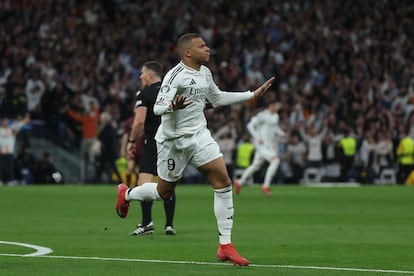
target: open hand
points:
(180, 102)
(131, 149)
(262, 89)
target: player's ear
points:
(187, 53)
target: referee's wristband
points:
(131, 141)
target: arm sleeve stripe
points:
(174, 74)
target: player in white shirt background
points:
(266, 134)
(183, 138)
(8, 134)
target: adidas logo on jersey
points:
(192, 82)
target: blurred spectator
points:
(244, 152)
(405, 154)
(254, 76)
(329, 149)
(53, 104)
(105, 163)
(313, 140)
(8, 133)
(295, 156)
(89, 123)
(25, 165)
(365, 158)
(34, 90)
(410, 122)
(89, 97)
(46, 172)
(384, 151)
(14, 104)
(348, 147)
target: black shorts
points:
(148, 160)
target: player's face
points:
(274, 107)
(199, 50)
(145, 76)
(5, 123)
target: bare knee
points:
(221, 182)
(165, 195)
(165, 189)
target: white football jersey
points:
(264, 127)
(196, 86)
(8, 137)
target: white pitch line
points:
(220, 264)
(40, 250)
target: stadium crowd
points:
(344, 66)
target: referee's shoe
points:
(149, 229)
(169, 230)
(143, 230)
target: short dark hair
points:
(183, 41)
(155, 67)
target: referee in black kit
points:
(147, 122)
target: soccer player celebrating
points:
(183, 138)
(265, 131)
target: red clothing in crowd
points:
(89, 122)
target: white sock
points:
(270, 172)
(223, 210)
(147, 191)
(248, 173)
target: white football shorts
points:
(174, 155)
(266, 153)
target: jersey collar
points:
(189, 68)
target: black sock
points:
(146, 208)
(169, 207)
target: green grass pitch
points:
(300, 230)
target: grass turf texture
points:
(370, 227)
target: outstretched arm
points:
(218, 97)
